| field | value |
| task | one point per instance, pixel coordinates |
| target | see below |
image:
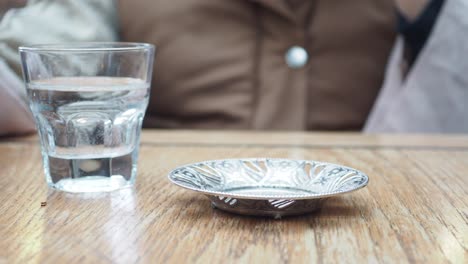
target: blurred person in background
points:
(269, 64)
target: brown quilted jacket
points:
(228, 64)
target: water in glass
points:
(90, 129)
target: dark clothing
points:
(416, 33)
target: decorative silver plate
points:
(268, 187)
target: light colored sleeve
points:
(15, 117)
(42, 22)
(433, 97)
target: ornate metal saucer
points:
(268, 187)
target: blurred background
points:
(375, 66)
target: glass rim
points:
(87, 47)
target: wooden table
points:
(415, 209)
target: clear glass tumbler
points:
(88, 101)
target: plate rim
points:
(268, 197)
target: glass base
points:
(94, 174)
(92, 184)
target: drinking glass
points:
(88, 102)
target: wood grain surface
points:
(415, 209)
